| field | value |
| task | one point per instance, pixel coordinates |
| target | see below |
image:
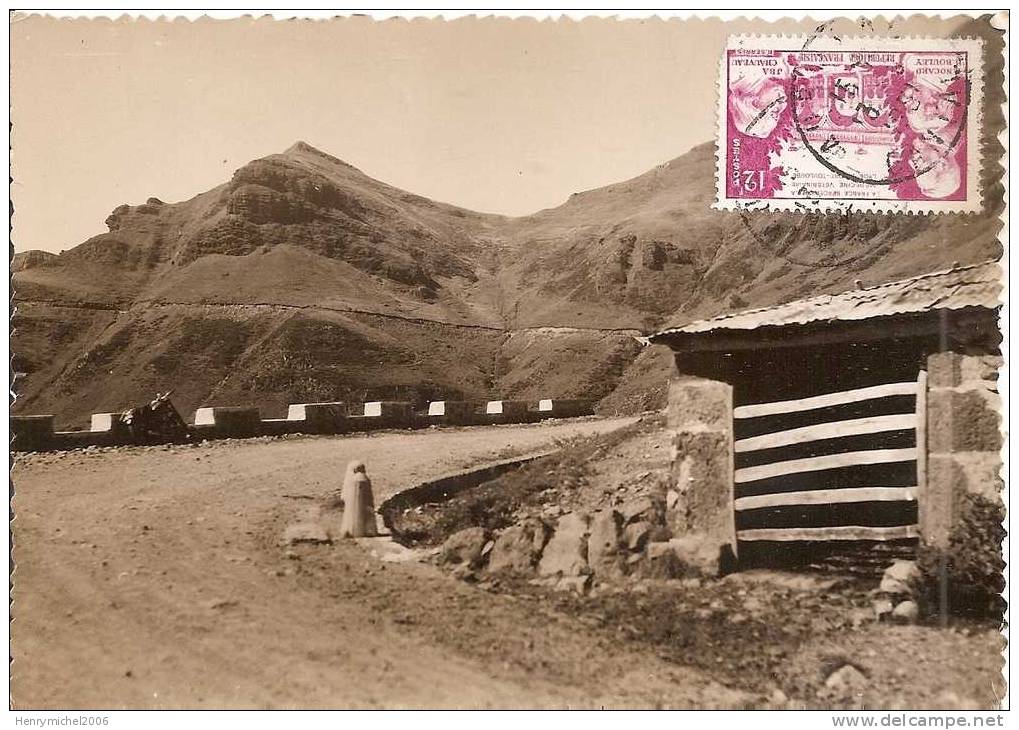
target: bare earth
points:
(153, 578)
(150, 577)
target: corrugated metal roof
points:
(977, 285)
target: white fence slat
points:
(828, 496)
(818, 463)
(921, 430)
(834, 429)
(824, 401)
(847, 532)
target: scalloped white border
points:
(999, 21)
(974, 124)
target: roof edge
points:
(718, 323)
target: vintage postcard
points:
(435, 361)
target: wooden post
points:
(921, 435)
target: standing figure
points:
(358, 518)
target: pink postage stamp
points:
(822, 123)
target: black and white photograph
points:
(500, 361)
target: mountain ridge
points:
(372, 286)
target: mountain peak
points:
(300, 148)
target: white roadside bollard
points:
(358, 518)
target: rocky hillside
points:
(651, 250)
(304, 279)
(298, 228)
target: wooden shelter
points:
(829, 400)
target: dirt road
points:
(152, 577)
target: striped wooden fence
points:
(839, 466)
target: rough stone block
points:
(937, 503)
(948, 477)
(901, 578)
(280, 427)
(847, 682)
(32, 433)
(636, 535)
(976, 368)
(606, 553)
(951, 369)
(562, 408)
(579, 584)
(963, 439)
(643, 509)
(506, 410)
(230, 421)
(982, 471)
(319, 417)
(566, 551)
(452, 411)
(699, 402)
(388, 413)
(105, 423)
(963, 419)
(702, 476)
(943, 370)
(660, 562)
(465, 547)
(64, 440)
(907, 612)
(518, 548)
(701, 555)
(882, 608)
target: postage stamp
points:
(825, 123)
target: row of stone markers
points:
(36, 433)
(338, 417)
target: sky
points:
(495, 115)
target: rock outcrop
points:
(518, 548)
(566, 552)
(465, 547)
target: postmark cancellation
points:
(825, 123)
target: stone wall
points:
(685, 530)
(506, 411)
(963, 438)
(31, 433)
(35, 432)
(560, 408)
(230, 421)
(454, 412)
(318, 417)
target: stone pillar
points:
(963, 438)
(700, 501)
